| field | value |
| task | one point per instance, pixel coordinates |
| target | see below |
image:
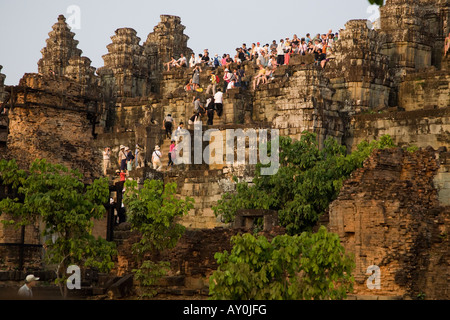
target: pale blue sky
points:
(220, 26)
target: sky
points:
(219, 26)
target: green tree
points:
(152, 211)
(67, 208)
(308, 180)
(306, 266)
(377, 2)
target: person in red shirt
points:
(122, 174)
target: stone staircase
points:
(165, 148)
(182, 286)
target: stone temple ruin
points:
(393, 213)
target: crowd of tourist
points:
(269, 55)
(127, 160)
(267, 58)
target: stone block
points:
(122, 287)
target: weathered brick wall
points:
(425, 90)
(389, 214)
(419, 128)
(50, 120)
(193, 257)
(358, 71)
(300, 102)
(12, 254)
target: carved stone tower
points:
(126, 70)
(166, 40)
(61, 47)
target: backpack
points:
(217, 79)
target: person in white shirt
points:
(178, 132)
(192, 61)
(303, 47)
(156, 159)
(318, 44)
(258, 48)
(227, 76)
(182, 61)
(198, 59)
(171, 63)
(230, 84)
(218, 101)
(280, 53)
(26, 291)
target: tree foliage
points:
(307, 181)
(377, 2)
(67, 208)
(306, 266)
(152, 211)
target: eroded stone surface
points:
(393, 80)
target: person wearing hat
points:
(139, 156)
(122, 158)
(156, 159)
(26, 291)
(227, 78)
(258, 48)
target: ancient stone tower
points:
(415, 33)
(358, 71)
(126, 64)
(166, 40)
(61, 47)
(52, 114)
(134, 70)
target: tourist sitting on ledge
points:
(273, 63)
(231, 84)
(171, 63)
(320, 58)
(189, 86)
(182, 62)
(261, 75)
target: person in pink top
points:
(171, 153)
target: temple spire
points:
(61, 47)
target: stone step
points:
(182, 291)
